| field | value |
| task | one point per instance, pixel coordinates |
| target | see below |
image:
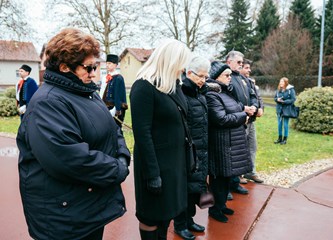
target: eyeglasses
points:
(89, 68)
(238, 62)
(202, 77)
(227, 75)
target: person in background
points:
(73, 157)
(160, 167)
(251, 129)
(25, 89)
(228, 153)
(114, 95)
(194, 88)
(244, 94)
(285, 95)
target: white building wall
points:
(9, 72)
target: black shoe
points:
(196, 228)
(185, 234)
(227, 211)
(218, 216)
(254, 178)
(230, 197)
(241, 190)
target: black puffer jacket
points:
(197, 120)
(69, 172)
(227, 143)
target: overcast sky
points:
(36, 10)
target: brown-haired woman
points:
(72, 155)
(285, 95)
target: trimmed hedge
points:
(316, 110)
(8, 103)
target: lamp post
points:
(321, 45)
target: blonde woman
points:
(285, 95)
(160, 169)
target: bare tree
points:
(189, 21)
(287, 51)
(12, 21)
(107, 20)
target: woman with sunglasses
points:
(73, 157)
(228, 154)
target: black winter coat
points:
(227, 142)
(197, 120)
(69, 172)
(159, 150)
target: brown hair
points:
(286, 83)
(70, 46)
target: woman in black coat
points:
(227, 144)
(72, 156)
(160, 169)
(194, 88)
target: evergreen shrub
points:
(8, 103)
(316, 110)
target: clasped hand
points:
(154, 185)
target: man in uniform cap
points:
(25, 88)
(114, 94)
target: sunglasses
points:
(227, 75)
(89, 68)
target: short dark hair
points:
(247, 61)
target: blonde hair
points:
(286, 83)
(166, 65)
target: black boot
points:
(149, 235)
(279, 140)
(284, 141)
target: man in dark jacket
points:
(25, 89)
(251, 129)
(114, 95)
(243, 92)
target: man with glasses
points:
(114, 95)
(243, 92)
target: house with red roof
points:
(131, 60)
(13, 55)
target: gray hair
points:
(233, 54)
(198, 64)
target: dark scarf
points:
(69, 82)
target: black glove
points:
(154, 185)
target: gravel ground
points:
(286, 178)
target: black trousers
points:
(184, 219)
(96, 235)
(121, 117)
(220, 187)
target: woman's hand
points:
(154, 185)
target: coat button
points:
(90, 189)
(64, 204)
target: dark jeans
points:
(96, 235)
(220, 188)
(183, 220)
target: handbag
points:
(290, 111)
(206, 199)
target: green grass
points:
(301, 147)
